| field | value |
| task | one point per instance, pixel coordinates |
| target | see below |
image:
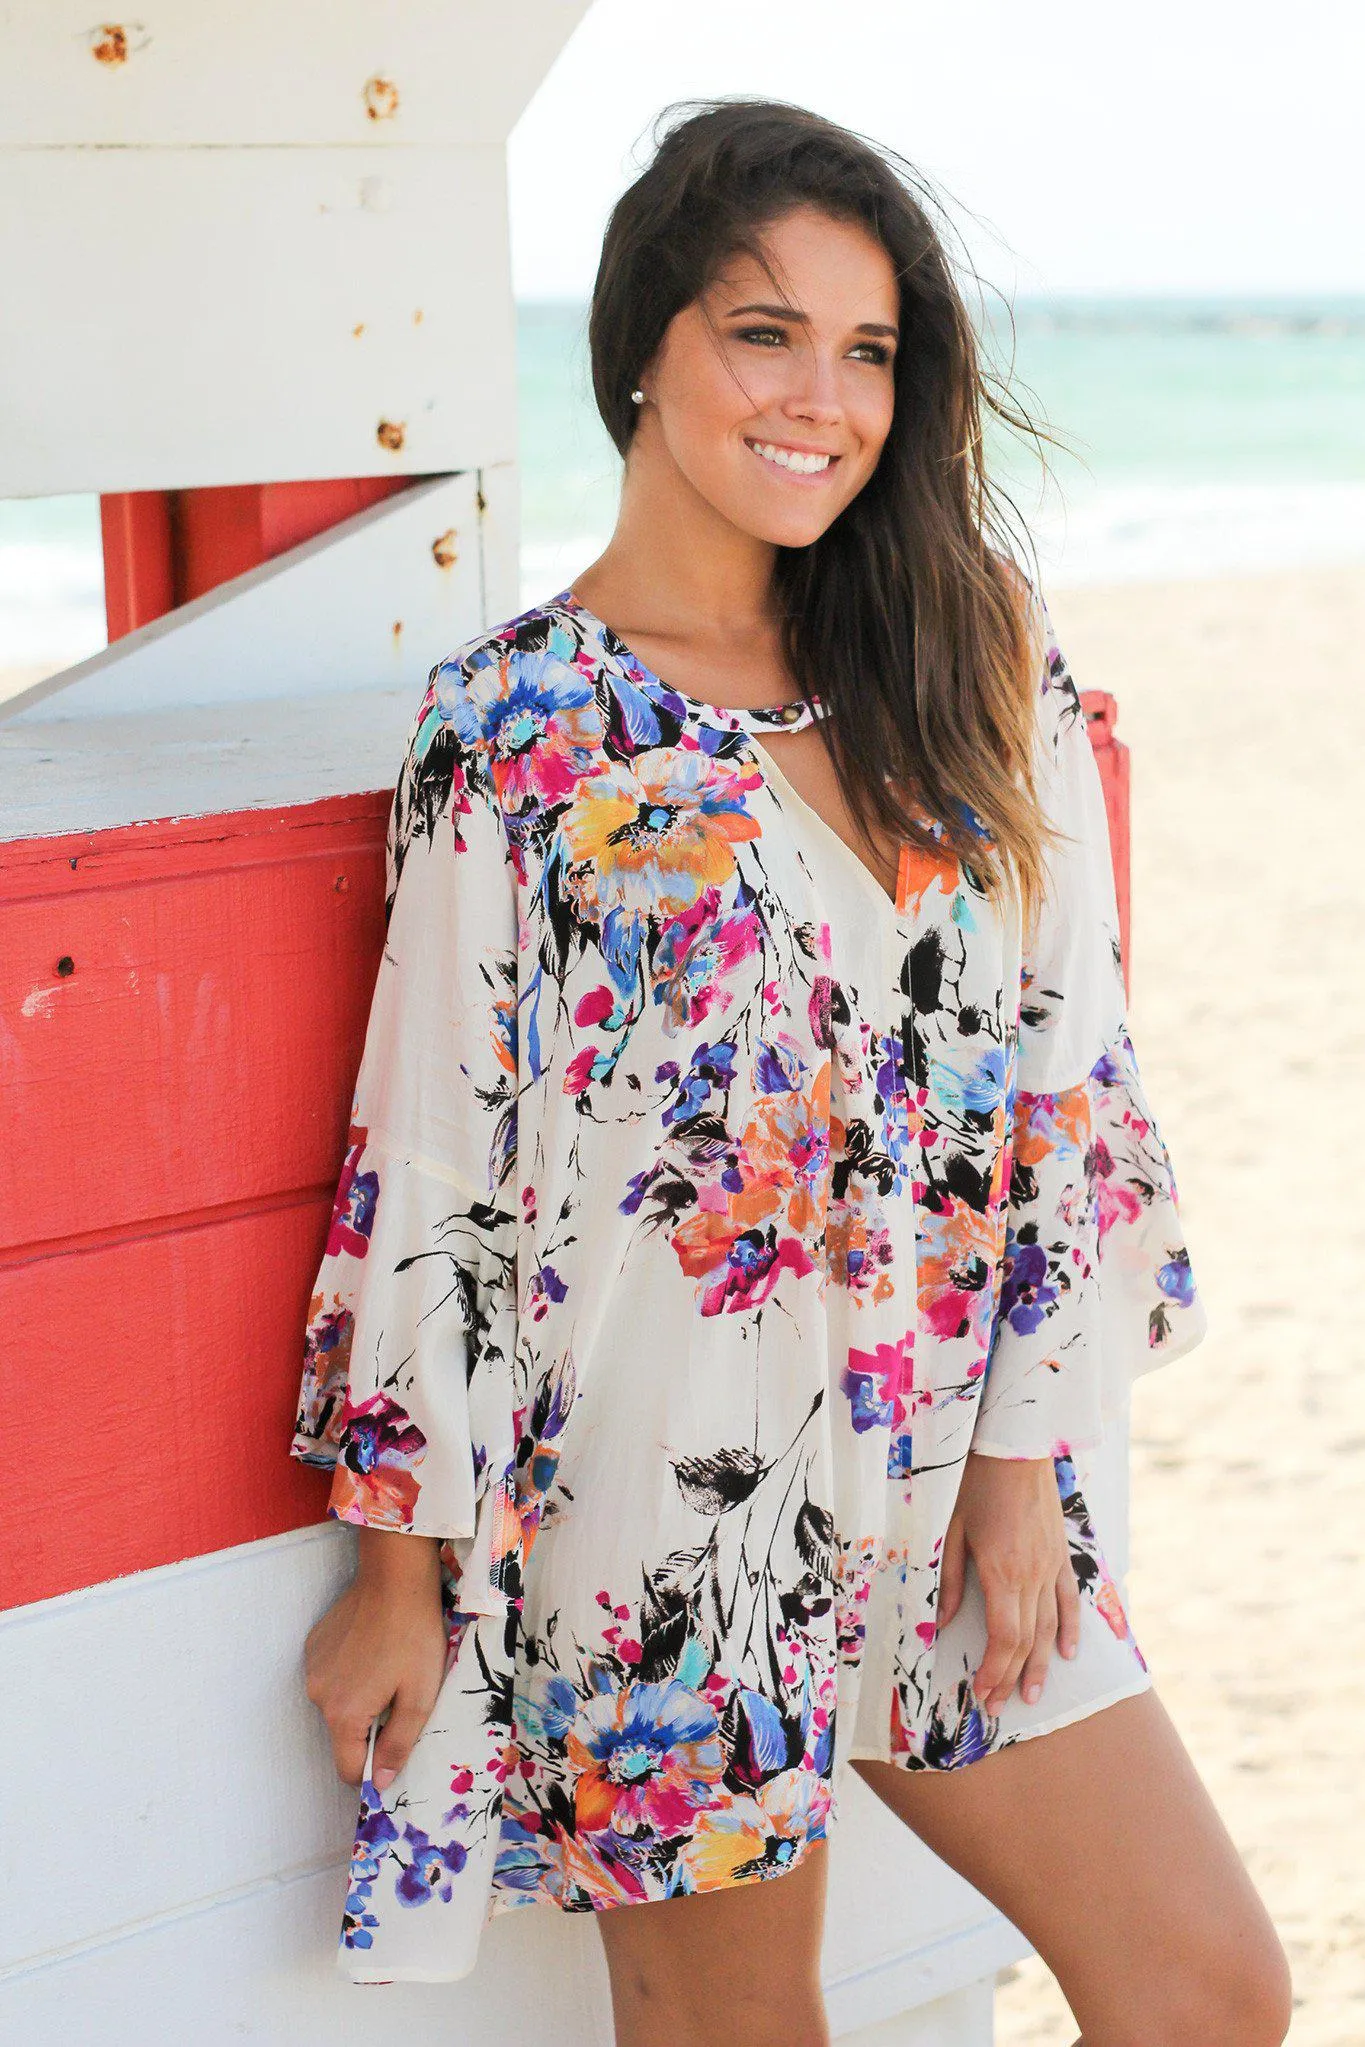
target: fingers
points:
(1006, 1645)
(1020, 1643)
(1068, 1610)
(952, 1574)
(1040, 1650)
(350, 1739)
(396, 1737)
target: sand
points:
(1244, 704)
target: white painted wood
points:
(364, 606)
(500, 526)
(169, 1753)
(258, 1969)
(207, 316)
(257, 73)
(966, 2019)
(91, 774)
(173, 1841)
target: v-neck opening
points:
(768, 718)
(789, 797)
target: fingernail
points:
(1068, 1650)
(1033, 1693)
(383, 1778)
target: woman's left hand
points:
(1008, 1517)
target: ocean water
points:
(1201, 437)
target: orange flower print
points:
(648, 835)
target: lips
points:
(805, 465)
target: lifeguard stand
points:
(260, 301)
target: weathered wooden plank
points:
(356, 72)
(263, 315)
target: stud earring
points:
(637, 397)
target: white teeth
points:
(787, 458)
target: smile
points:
(791, 459)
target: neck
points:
(673, 564)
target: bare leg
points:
(740, 1965)
(1101, 1844)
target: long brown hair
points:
(908, 615)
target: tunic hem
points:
(1083, 1711)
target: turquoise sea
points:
(1204, 436)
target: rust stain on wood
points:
(109, 43)
(381, 99)
(357, 330)
(445, 550)
(391, 434)
(397, 631)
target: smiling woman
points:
(754, 1217)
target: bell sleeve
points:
(408, 1350)
(1095, 1284)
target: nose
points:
(815, 389)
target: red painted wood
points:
(139, 571)
(1114, 763)
(224, 531)
(152, 1377)
(184, 1006)
(162, 548)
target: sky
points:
(1184, 146)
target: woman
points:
(752, 1213)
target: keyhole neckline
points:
(756, 719)
(760, 723)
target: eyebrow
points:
(790, 313)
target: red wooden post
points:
(139, 573)
(164, 547)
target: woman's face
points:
(742, 407)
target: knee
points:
(1240, 1997)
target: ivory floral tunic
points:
(703, 1206)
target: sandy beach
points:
(1244, 704)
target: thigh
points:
(1102, 1845)
(740, 1964)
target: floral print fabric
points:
(702, 1209)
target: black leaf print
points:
(926, 973)
(561, 933)
(680, 1565)
(666, 1614)
(715, 1484)
(969, 1182)
(532, 634)
(802, 1602)
(815, 1537)
(864, 1157)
